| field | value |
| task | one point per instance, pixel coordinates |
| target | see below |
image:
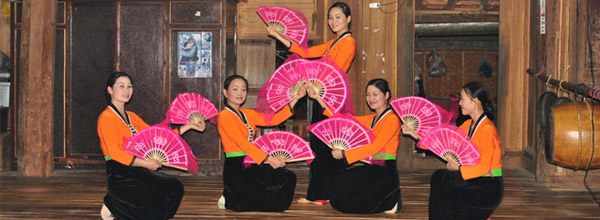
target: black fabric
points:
(451, 197)
(257, 187)
(324, 166)
(367, 189)
(139, 193)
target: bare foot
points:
(105, 213)
(393, 210)
(306, 201)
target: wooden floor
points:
(78, 195)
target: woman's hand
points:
(275, 162)
(409, 131)
(198, 127)
(312, 93)
(301, 93)
(151, 164)
(452, 165)
(337, 154)
(272, 31)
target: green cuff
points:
(495, 172)
(383, 156)
(107, 158)
(235, 154)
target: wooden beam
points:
(35, 89)
(435, 16)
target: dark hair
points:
(345, 9)
(382, 85)
(112, 79)
(228, 81)
(478, 90)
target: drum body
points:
(569, 142)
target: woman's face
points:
(338, 22)
(236, 93)
(121, 91)
(375, 98)
(467, 103)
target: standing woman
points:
(370, 188)
(342, 51)
(135, 190)
(266, 185)
(474, 191)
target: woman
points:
(474, 191)
(266, 185)
(370, 188)
(135, 191)
(342, 51)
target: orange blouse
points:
(342, 52)
(387, 134)
(488, 143)
(111, 131)
(386, 131)
(237, 137)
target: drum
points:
(570, 137)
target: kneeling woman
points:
(266, 185)
(474, 191)
(370, 188)
(135, 191)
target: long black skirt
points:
(451, 197)
(324, 166)
(257, 187)
(139, 193)
(367, 189)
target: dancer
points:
(264, 186)
(135, 190)
(364, 188)
(474, 191)
(342, 51)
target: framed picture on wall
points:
(194, 58)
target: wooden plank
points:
(251, 26)
(78, 195)
(513, 59)
(37, 76)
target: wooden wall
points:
(93, 38)
(566, 56)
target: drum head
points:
(545, 102)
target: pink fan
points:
(283, 85)
(291, 23)
(331, 83)
(449, 142)
(163, 144)
(191, 108)
(284, 144)
(342, 132)
(420, 114)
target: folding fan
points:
(191, 108)
(283, 85)
(291, 23)
(284, 144)
(420, 114)
(449, 142)
(163, 144)
(331, 83)
(342, 132)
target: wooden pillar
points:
(405, 77)
(513, 82)
(35, 89)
